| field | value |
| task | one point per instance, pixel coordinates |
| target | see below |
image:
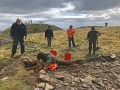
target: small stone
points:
(66, 84)
(77, 80)
(58, 86)
(5, 78)
(53, 81)
(49, 87)
(36, 89)
(59, 77)
(97, 82)
(112, 89)
(41, 85)
(85, 86)
(69, 88)
(98, 65)
(116, 63)
(81, 80)
(73, 84)
(43, 78)
(113, 56)
(88, 80)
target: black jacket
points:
(18, 31)
(93, 35)
(49, 33)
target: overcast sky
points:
(61, 13)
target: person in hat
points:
(70, 33)
(92, 37)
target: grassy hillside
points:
(109, 42)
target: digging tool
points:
(97, 47)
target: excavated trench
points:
(100, 74)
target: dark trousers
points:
(15, 43)
(71, 40)
(49, 41)
(92, 45)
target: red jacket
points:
(70, 32)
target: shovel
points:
(97, 47)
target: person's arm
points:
(29, 68)
(25, 32)
(49, 59)
(52, 34)
(88, 35)
(68, 32)
(73, 31)
(98, 34)
(45, 34)
(12, 30)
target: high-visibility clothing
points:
(70, 32)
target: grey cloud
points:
(28, 6)
(95, 5)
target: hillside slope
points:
(109, 43)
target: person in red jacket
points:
(70, 33)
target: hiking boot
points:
(12, 56)
(89, 53)
(22, 53)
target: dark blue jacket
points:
(18, 31)
(93, 35)
(49, 33)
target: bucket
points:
(67, 56)
(52, 66)
(53, 52)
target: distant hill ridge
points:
(34, 28)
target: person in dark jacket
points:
(18, 32)
(92, 36)
(49, 35)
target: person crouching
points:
(47, 60)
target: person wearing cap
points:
(92, 37)
(18, 32)
(70, 33)
(49, 35)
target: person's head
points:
(40, 55)
(70, 26)
(92, 28)
(49, 27)
(18, 21)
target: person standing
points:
(49, 35)
(18, 32)
(106, 24)
(92, 37)
(70, 33)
